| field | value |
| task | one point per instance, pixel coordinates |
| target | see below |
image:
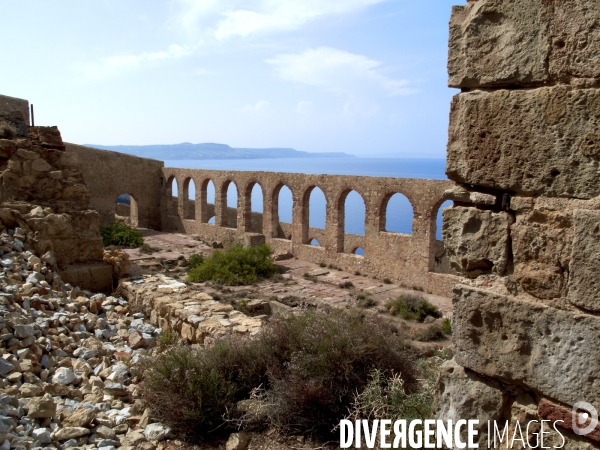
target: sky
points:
(366, 77)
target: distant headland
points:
(187, 150)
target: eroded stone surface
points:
(476, 241)
(547, 349)
(462, 394)
(495, 43)
(584, 278)
(540, 141)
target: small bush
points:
(429, 332)
(148, 249)
(195, 260)
(310, 367)
(386, 397)
(447, 326)
(168, 338)
(346, 284)
(122, 235)
(237, 265)
(322, 264)
(412, 307)
(365, 300)
(387, 281)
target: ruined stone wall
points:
(111, 174)
(409, 259)
(42, 191)
(524, 150)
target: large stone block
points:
(584, 277)
(541, 247)
(495, 42)
(462, 394)
(543, 348)
(523, 42)
(476, 241)
(540, 141)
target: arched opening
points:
(359, 251)
(207, 199)
(126, 210)
(397, 214)
(283, 204)
(439, 218)
(314, 242)
(230, 211)
(254, 215)
(189, 199)
(354, 214)
(317, 208)
(212, 220)
(172, 197)
(439, 262)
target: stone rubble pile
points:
(66, 354)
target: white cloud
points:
(338, 71)
(260, 106)
(115, 65)
(245, 17)
(304, 107)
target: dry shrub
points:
(310, 367)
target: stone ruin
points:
(525, 128)
(43, 192)
(523, 234)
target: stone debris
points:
(63, 379)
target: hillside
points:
(187, 150)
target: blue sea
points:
(399, 215)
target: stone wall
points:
(111, 174)
(43, 192)
(15, 106)
(416, 260)
(524, 134)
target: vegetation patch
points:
(119, 234)
(413, 307)
(237, 265)
(309, 368)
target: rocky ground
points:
(68, 356)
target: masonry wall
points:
(524, 150)
(111, 174)
(406, 258)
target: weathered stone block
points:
(476, 241)
(525, 43)
(497, 42)
(541, 246)
(462, 394)
(540, 141)
(546, 349)
(584, 277)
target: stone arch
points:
(342, 216)
(126, 209)
(207, 193)
(281, 229)
(314, 211)
(438, 221)
(314, 242)
(254, 200)
(438, 260)
(229, 204)
(189, 198)
(172, 196)
(396, 213)
(358, 251)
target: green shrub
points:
(121, 235)
(386, 397)
(346, 284)
(365, 300)
(237, 265)
(447, 326)
(148, 249)
(195, 260)
(310, 366)
(429, 332)
(412, 307)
